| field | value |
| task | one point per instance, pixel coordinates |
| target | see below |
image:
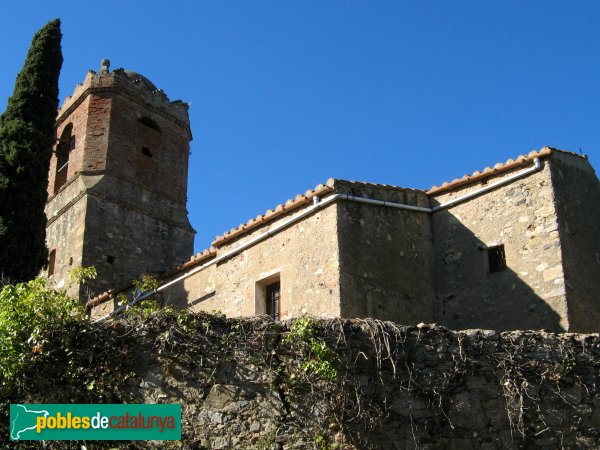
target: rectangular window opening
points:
(268, 296)
(65, 145)
(273, 298)
(496, 258)
(51, 262)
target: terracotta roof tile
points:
(271, 214)
(106, 296)
(323, 189)
(498, 168)
(390, 187)
(194, 261)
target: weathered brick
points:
(123, 206)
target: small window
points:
(51, 262)
(110, 259)
(147, 151)
(273, 297)
(496, 258)
(267, 298)
(148, 122)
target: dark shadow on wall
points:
(202, 299)
(385, 259)
(179, 297)
(578, 208)
(410, 267)
(475, 289)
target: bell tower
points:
(117, 186)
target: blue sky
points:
(285, 94)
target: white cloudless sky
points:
(285, 94)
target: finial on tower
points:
(105, 64)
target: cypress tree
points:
(26, 139)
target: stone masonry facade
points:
(118, 181)
(516, 246)
(519, 253)
(242, 384)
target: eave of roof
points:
(324, 189)
(195, 260)
(271, 214)
(490, 171)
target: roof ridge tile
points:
(498, 167)
(278, 210)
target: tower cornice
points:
(118, 83)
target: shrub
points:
(29, 312)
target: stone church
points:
(516, 246)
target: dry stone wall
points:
(257, 383)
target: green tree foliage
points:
(26, 138)
(29, 314)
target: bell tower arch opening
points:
(119, 202)
(66, 144)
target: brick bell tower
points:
(117, 186)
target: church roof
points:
(329, 187)
(323, 189)
(271, 214)
(498, 168)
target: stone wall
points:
(577, 194)
(521, 216)
(123, 240)
(354, 259)
(385, 255)
(381, 258)
(65, 229)
(128, 169)
(303, 258)
(255, 383)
